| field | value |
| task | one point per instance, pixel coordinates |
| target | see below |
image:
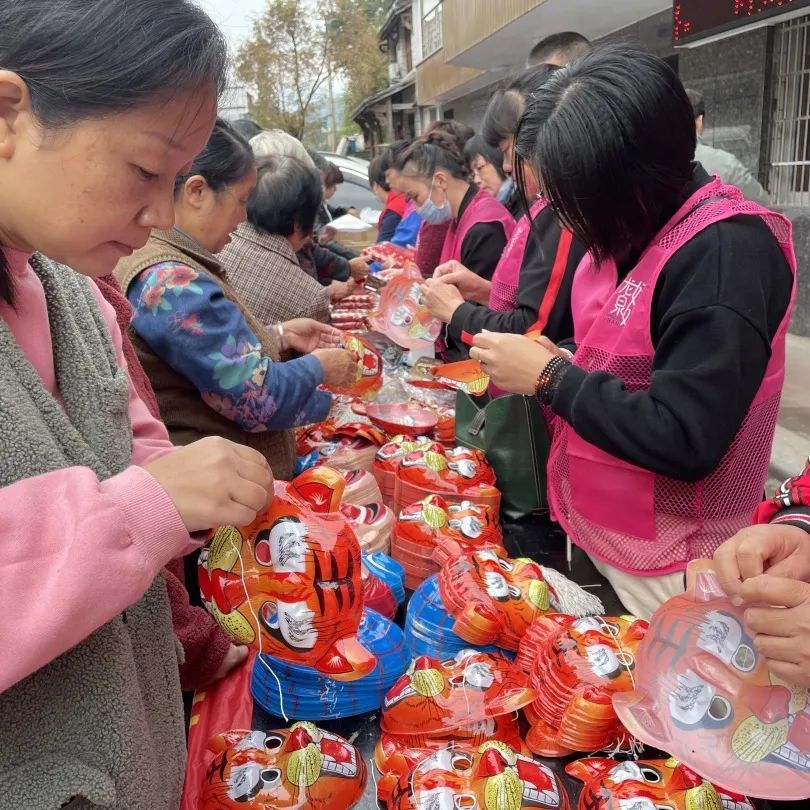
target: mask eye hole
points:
(744, 659)
(505, 564)
(273, 742)
(651, 775)
(626, 659)
(719, 708)
(466, 802)
(271, 777)
(461, 762)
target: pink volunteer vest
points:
(505, 279)
(483, 208)
(628, 517)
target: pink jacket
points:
(76, 551)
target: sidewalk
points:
(791, 445)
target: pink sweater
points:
(74, 551)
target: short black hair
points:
(507, 106)
(698, 103)
(567, 45)
(387, 159)
(225, 160)
(376, 174)
(478, 146)
(612, 140)
(246, 127)
(437, 150)
(332, 175)
(83, 59)
(287, 194)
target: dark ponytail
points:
(435, 151)
(225, 160)
(83, 59)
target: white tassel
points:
(572, 599)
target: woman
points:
(531, 286)
(485, 163)
(331, 269)
(406, 233)
(667, 412)
(97, 116)
(213, 365)
(393, 202)
(433, 174)
(261, 257)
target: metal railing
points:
(432, 31)
(789, 179)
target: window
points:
(431, 27)
(790, 132)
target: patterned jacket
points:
(790, 504)
(264, 271)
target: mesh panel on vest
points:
(502, 296)
(691, 519)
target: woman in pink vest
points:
(433, 173)
(531, 285)
(667, 407)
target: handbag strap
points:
(477, 422)
(555, 280)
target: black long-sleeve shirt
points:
(716, 308)
(535, 273)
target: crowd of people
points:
(165, 286)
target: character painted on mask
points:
(576, 666)
(372, 523)
(369, 375)
(289, 585)
(459, 474)
(705, 694)
(299, 767)
(494, 599)
(402, 315)
(447, 530)
(658, 784)
(434, 697)
(492, 777)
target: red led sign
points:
(698, 19)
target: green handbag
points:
(511, 432)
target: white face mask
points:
(435, 214)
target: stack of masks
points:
(460, 474)
(429, 626)
(386, 461)
(493, 775)
(435, 705)
(576, 666)
(296, 767)
(494, 599)
(290, 586)
(383, 583)
(431, 531)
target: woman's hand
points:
(471, 286)
(214, 482)
(339, 367)
(775, 548)
(513, 362)
(441, 299)
(327, 234)
(235, 656)
(304, 335)
(782, 629)
(359, 268)
(338, 290)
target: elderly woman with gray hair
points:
(261, 257)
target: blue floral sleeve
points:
(189, 323)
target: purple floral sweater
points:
(195, 329)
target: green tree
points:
(354, 49)
(284, 63)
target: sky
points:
(233, 17)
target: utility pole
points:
(331, 91)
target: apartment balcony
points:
(498, 34)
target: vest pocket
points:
(609, 492)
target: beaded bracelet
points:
(547, 377)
